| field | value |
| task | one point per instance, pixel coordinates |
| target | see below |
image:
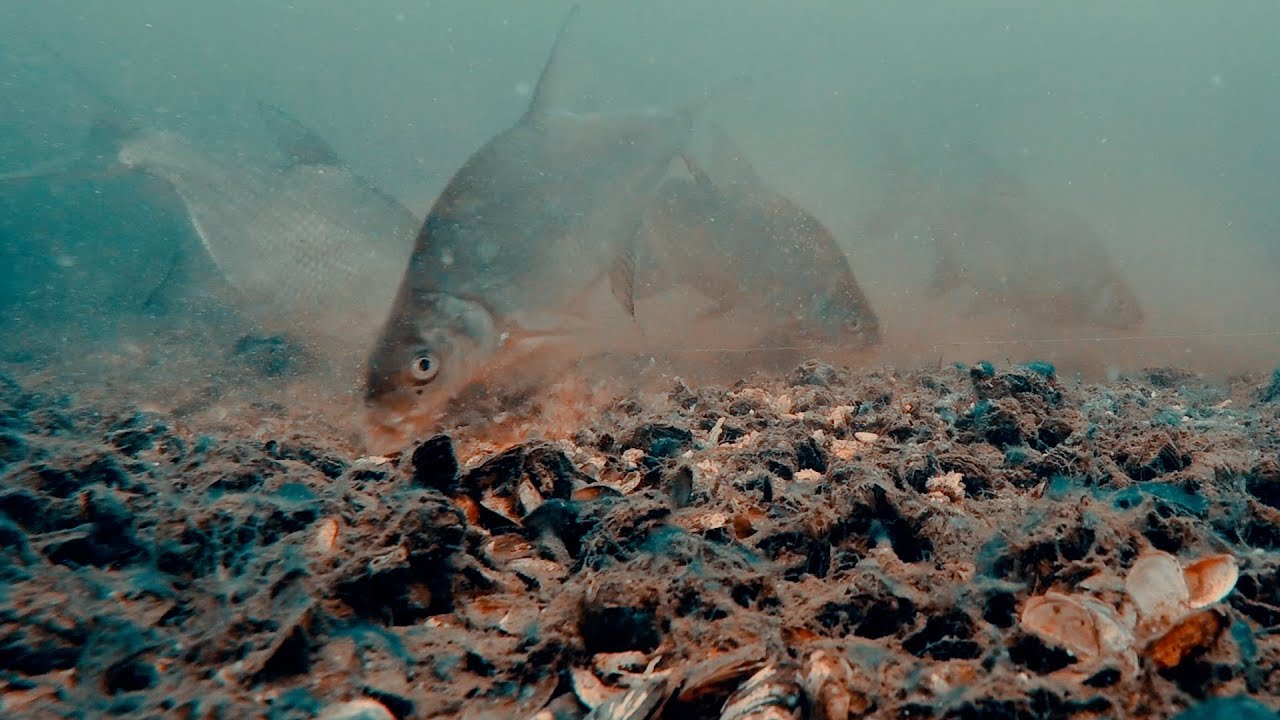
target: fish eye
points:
(423, 368)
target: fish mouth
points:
(389, 427)
(394, 420)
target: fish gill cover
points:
(637, 361)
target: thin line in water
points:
(994, 341)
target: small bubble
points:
(523, 89)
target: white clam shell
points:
(1157, 587)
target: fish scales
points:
(537, 219)
(727, 234)
(303, 244)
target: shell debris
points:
(948, 487)
(773, 693)
(828, 684)
(1157, 616)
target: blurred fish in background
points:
(746, 247)
(309, 248)
(82, 251)
(1003, 247)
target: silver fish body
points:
(744, 245)
(312, 249)
(534, 221)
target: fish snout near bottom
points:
(392, 423)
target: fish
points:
(727, 234)
(54, 215)
(310, 247)
(536, 221)
(1007, 246)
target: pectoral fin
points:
(622, 280)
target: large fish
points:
(536, 220)
(1008, 247)
(311, 248)
(76, 249)
(730, 236)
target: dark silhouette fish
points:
(728, 235)
(1010, 247)
(536, 220)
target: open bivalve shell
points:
(1159, 616)
(1089, 629)
(1210, 579)
(1157, 588)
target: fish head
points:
(1114, 306)
(862, 325)
(846, 313)
(428, 352)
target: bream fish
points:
(312, 248)
(1010, 247)
(537, 219)
(730, 236)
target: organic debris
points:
(1007, 545)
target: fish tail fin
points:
(301, 144)
(548, 87)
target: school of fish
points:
(557, 226)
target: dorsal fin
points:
(544, 93)
(301, 144)
(700, 176)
